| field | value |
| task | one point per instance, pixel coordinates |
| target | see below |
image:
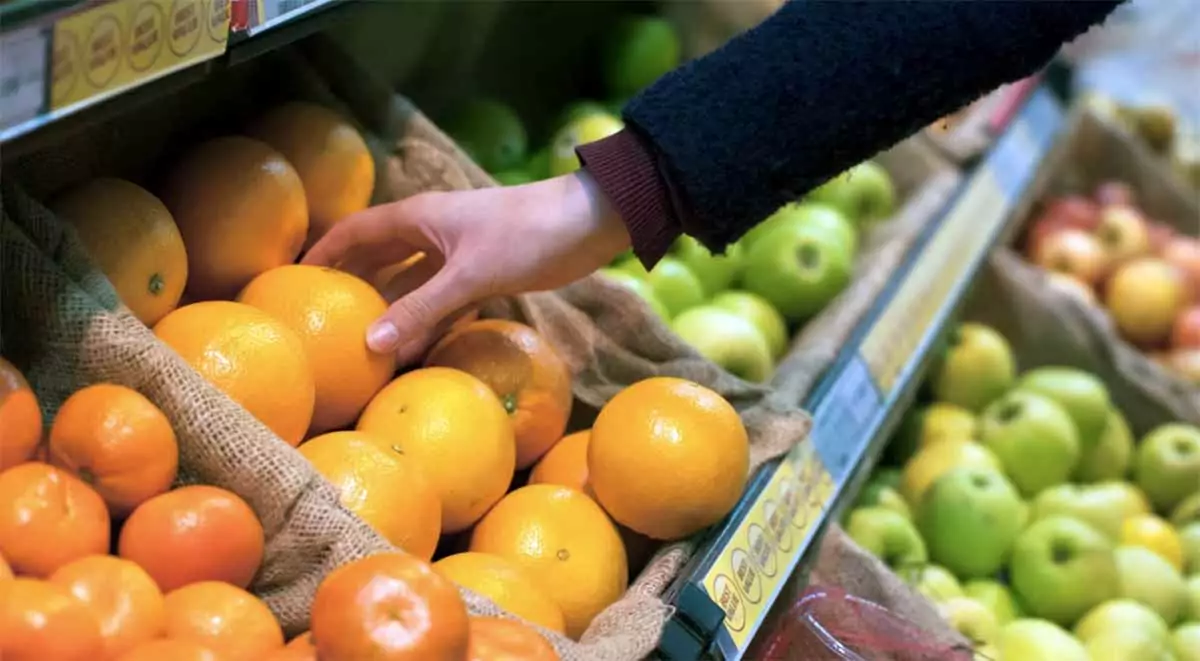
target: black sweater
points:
(717, 145)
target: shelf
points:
(56, 64)
(729, 590)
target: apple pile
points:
(1025, 509)
(1106, 250)
(736, 308)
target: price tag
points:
(843, 417)
(275, 9)
(23, 74)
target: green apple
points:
(1082, 396)
(622, 257)
(864, 193)
(580, 131)
(1103, 506)
(538, 165)
(1186, 641)
(490, 132)
(639, 287)
(888, 536)
(758, 311)
(799, 270)
(881, 495)
(1128, 645)
(937, 459)
(1187, 511)
(1109, 457)
(580, 109)
(727, 340)
(1189, 537)
(935, 582)
(1032, 639)
(969, 519)
(1167, 466)
(637, 52)
(716, 272)
(1033, 437)
(1117, 614)
(977, 368)
(672, 283)
(971, 619)
(803, 214)
(996, 597)
(923, 425)
(1061, 568)
(888, 476)
(513, 178)
(1191, 610)
(1146, 577)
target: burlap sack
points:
(1088, 152)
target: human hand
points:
(478, 244)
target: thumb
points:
(408, 324)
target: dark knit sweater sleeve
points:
(816, 88)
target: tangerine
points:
(48, 518)
(565, 463)
(20, 417)
(125, 600)
(224, 618)
(498, 639)
(507, 586)
(165, 649)
(40, 621)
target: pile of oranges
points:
(466, 457)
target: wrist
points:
(607, 228)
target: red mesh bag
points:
(828, 624)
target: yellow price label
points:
(759, 557)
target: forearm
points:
(813, 90)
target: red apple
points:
(1184, 363)
(1072, 285)
(1073, 252)
(1160, 236)
(1114, 192)
(1071, 211)
(1185, 334)
(1144, 296)
(1184, 253)
(1123, 233)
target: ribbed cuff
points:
(626, 171)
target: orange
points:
(117, 441)
(20, 417)
(241, 210)
(523, 370)
(507, 586)
(384, 488)
(170, 650)
(330, 311)
(668, 457)
(300, 648)
(133, 238)
(329, 155)
(194, 533)
(40, 621)
(250, 356)
(48, 518)
(456, 431)
(224, 618)
(562, 540)
(389, 607)
(1151, 532)
(5, 570)
(498, 639)
(125, 600)
(565, 463)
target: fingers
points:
(412, 321)
(367, 241)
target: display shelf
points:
(729, 590)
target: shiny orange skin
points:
(504, 584)
(565, 463)
(117, 441)
(330, 311)
(5, 570)
(499, 639)
(20, 417)
(330, 156)
(194, 533)
(389, 607)
(48, 518)
(668, 457)
(165, 649)
(300, 648)
(226, 619)
(250, 356)
(40, 621)
(241, 210)
(132, 237)
(524, 371)
(125, 600)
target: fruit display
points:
(1158, 126)
(1143, 272)
(1038, 523)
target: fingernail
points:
(383, 337)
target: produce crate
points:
(1091, 151)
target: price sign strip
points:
(104, 50)
(271, 13)
(764, 543)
